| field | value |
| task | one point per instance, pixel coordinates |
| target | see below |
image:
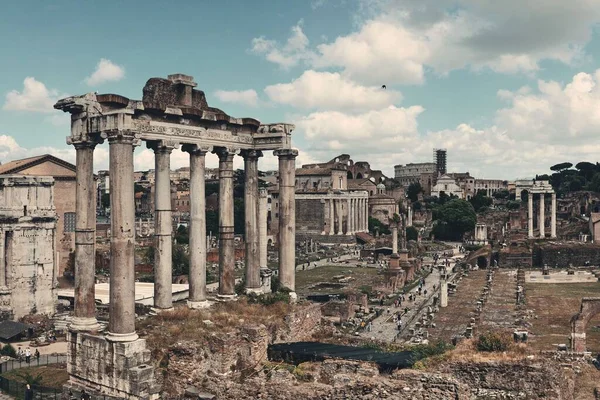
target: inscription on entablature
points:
(198, 133)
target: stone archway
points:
(359, 176)
(590, 306)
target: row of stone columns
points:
(541, 215)
(122, 243)
(357, 219)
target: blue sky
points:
(509, 88)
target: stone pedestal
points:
(265, 280)
(119, 370)
(443, 293)
(394, 274)
(405, 265)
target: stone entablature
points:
(27, 246)
(539, 188)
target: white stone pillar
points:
(331, 217)
(84, 318)
(340, 214)
(226, 224)
(163, 226)
(542, 220)
(443, 293)
(410, 216)
(553, 217)
(287, 217)
(366, 214)
(394, 238)
(251, 224)
(530, 214)
(350, 229)
(262, 227)
(121, 323)
(198, 240)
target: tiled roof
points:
(16, 166)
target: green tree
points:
(374, 222)
(413, 191)
(480, 200)
(561, 166)
(8, 350)
(501, 194)
(181, 260)
(412, 233)
(587, 169)
(454, 219)
(594, 184)
(105, 200)
(212, 222)
(182, 235)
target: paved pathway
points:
(383, 327)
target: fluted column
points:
(197, 275)
(553, 217)
(331, 217)
(251, 224)
(359, 215)
(262, 227)
(84, 318)
(350, 226)
(163, 225)
(338, 206)
(287, 217)
(226, 226)
(121, 323)
(530, 214)
(366, 210)
(542, 220)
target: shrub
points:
(422, 351)
(8, 350)
(493, 341)
(268, 299)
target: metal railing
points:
(17, 389)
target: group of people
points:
(27, 354)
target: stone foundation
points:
(121, 370)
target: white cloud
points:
(538, 128)
(244, 97)
(330, 91)
(397, 40)
(106, 71)
(34, 97)
(289, 55)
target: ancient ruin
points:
(171, 113)
(27, 246)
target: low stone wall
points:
(563, 255)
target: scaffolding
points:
(439, 158)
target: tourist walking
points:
(28, 393)
(27, 355)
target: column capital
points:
(286, 153)
(197, 149)
(123, 136)
(162, 146)
(225, 152)
(84, 142)
(251, 155)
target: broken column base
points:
(406, 266)
(198, 304)
(256, 291)
(120, 370)
(394, 274)
(265, 279)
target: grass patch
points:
(51, 376)
(363, 277)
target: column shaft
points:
(226, 227)
(359, 216)
(338, 206)
(163, 227)
(394, 238)
(553, 217)
(287, 217)
(350, 226)
(121, 324)
(197, 276)
(530, 215)
(542, 219)
(251, 223)
(262, 228)
(85, 239)
(331, 217)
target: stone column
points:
(339, 211)
(163, 225)
(361, 224)
(553, 217)
(197, 276)
(530, 215)
(262, 228)
(121, 323)
(366, 209)
(542, 221)
(226, 228)
(443, 293)
(394, 238)
(287, 217)
(331, 217)
(84, 318)
(350, 229)
(410, 216)
(251, 226)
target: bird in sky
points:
(383, 87)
